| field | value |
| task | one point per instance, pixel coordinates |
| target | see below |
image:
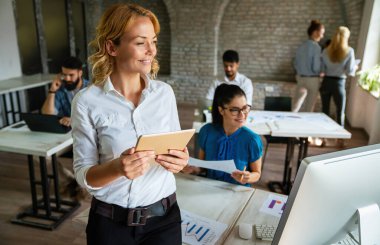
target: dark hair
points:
(224, 94)
(72, 63)
(315, 25)
(231, 56)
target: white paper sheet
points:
(200, 230)
(227, 166)
(274, 205)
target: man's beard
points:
(230, 75)
(70, 86)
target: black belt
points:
(336, 78)
(308, 76)
(133, 216)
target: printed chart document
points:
(200, 230)
(274, 205)
(227, 166)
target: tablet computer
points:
(163, 142)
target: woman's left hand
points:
(241, 176)
(175, 161)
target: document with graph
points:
(200, 230)
(274, 205)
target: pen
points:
(241, 178)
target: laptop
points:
(44, 123)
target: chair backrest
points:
(279, 103)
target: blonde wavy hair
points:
(338, 48)
(115, 21)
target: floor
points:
(15, 190)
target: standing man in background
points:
(308, 68)
(63, 88)
(232, 76)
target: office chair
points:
(280, 103)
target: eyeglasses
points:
(236, 111)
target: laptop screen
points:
(44, 123)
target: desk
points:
(212, 199)
(208, 198)
(48, 212)
(14, 86)
(252, 215)
(298, 125)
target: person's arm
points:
(316, 62)
(49, 105)
(249, 91)
(211, 90)
(323, 65)
(88, 172)
(245, 177)
(130, 164)
(351, 64)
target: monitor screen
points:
(327, 192)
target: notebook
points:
(44, 123)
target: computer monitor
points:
(327, 192)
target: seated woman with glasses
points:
(227, 138)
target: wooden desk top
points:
(212, 199)
(23, 141)
(24, 82)
(252, 215)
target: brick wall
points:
(266, 34)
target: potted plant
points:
(370, 80)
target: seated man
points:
(58, 102)
(232, 76)
(63, 88)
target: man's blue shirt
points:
(63, 98)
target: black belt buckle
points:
(137, 216)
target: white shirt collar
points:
(149, 86)
(237, 78)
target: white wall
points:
(10, 65)
(363, 110)
(9, 52)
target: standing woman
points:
(338, 61)
(308, 67)
(133, 202)
(227, 138)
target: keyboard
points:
(265, 232)
(351, 239)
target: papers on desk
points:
(227, 166)
(200, 230)
(274, 205)
(285, 122)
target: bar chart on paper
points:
(200, 230)
(274, 205)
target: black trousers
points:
(334, 87)
(160, 230)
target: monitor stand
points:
(369, 224)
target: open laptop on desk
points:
(44, 123)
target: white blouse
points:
(105, 124)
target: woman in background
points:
(338, 61)
(227, 138)
(133, 202)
